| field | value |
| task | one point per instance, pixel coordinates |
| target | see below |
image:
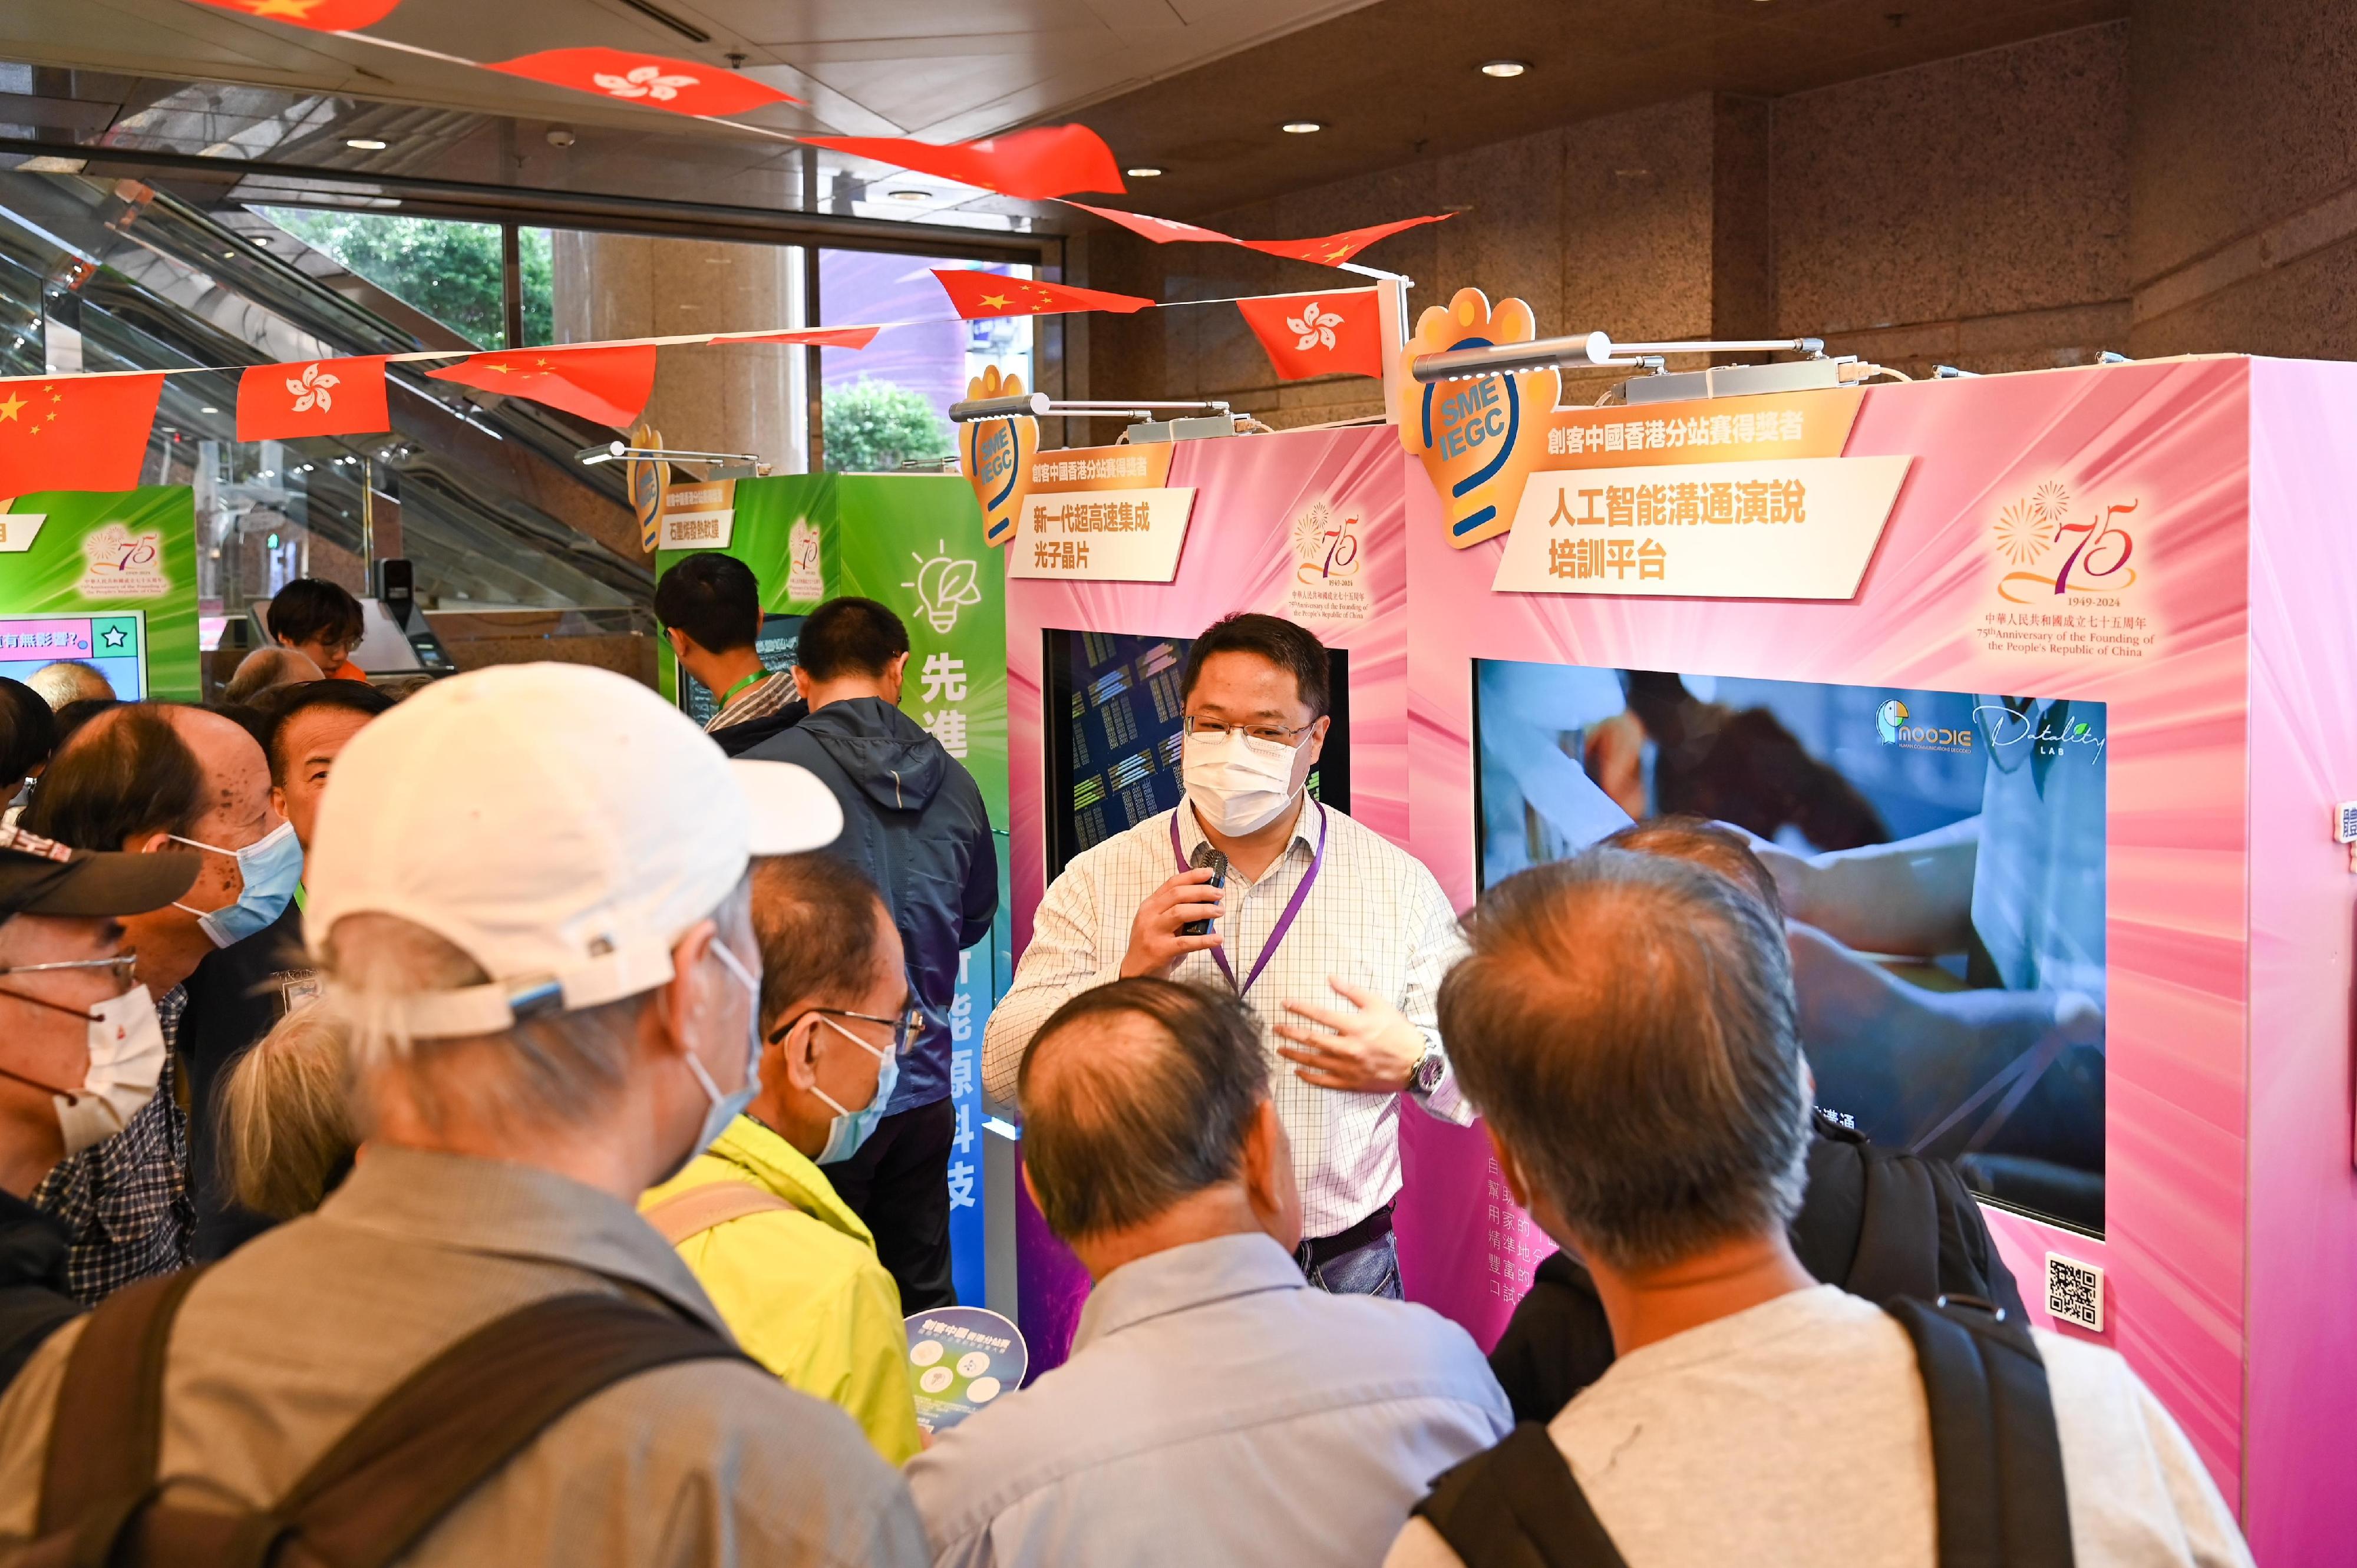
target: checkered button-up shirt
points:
(1375, 917)
(764, 697)
(125, 1201)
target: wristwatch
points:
(1430, 1069)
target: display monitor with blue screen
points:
(1113, 708)
(1942, 861)
(780, 636)
(115, 645)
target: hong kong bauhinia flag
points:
(608, 384)
(978, 296)
(312, 397)
(75, 432)
(319, 15)
(1339, 333)
(682, 86)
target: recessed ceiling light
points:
(1146, 173)
(1301, 127)
(364, 143)
(1504, 67)
(209, 410)
(910, 195)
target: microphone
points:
(1206, 855)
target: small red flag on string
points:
(1336, 333)
(320, 397)
(1335, 248)
(682, 86)
(608, 384)
(1161, 231)
(978, 296)
(822, 337)
(319, 15)
(1053, 161)
(75, 432)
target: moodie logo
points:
(1890, 727)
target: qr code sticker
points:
(2345, 829)
(2074, 1292)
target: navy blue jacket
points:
(912, 819)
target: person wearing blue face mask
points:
(791, 1268)
(223, 963)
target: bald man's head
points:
(1136, 1095)
(124, 777)
(67, 681)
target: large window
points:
(452, 271)
(886, 406)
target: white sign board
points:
(1788, 528)
(1102, 536)
(18, 530)
(699, 516)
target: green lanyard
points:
(730, 695)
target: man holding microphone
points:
(1336, 938)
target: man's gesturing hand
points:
(1155, 944)
(1371, 1051)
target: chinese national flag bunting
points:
(319, 15)
(75, 432)
(977, 295)
(609, 385)
(1161, 231)
(682, 86)
(820, 336)
(1335, 248)
(1053, 161)
(1331, 334)
(319, 397)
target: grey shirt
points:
(1215, 1410)
(282, 1347)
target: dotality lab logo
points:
(1481, 439)
(1890, 726)
(944, 584)
(999, 454)
(2052, 555)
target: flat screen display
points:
(780, 636)
(114, 645)
(1113, 709)
(1941, 856)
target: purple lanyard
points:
(1284, 921)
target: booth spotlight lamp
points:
(724, 464)
(1040, 405)
(1597, 349)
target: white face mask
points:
(1239, 785)
(126, 1057)
(723, 1109)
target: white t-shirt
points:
(1796, 1431)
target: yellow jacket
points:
(802, 1291)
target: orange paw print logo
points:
(999, 454)
(1481, 439)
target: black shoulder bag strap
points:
(1996, 1457)
(1899, 1242)
(1518, 1506)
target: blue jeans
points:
(1370, 1270)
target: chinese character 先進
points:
(948, 726)
(945, 679)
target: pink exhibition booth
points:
(2040, 691)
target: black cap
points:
(42, 876)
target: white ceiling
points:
(940, 69)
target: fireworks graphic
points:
(2051, 502)
(2023, 532)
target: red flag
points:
(1335, 248)
(1052, 160)
(608, 384)
(976, 296)
(1336, 333)
(824, 336)
(320, 397)
(319, 15)
(682, 86)
(1161, 231)
(75, 432)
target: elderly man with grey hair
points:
(1626, 1022)
(528, 892)
(1216, 1408)
(267, 669)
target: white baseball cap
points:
(562, 824)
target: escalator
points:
(482, 494)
